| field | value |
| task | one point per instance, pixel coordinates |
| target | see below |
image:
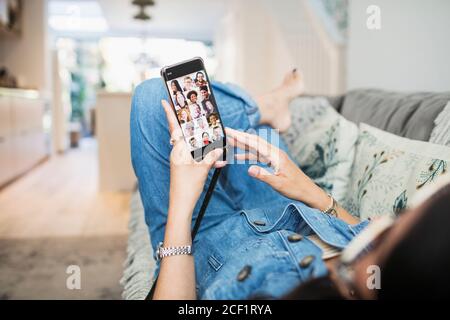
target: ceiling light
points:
(142, 15)
(143, 3)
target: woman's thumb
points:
(260, 173)
(213, 156)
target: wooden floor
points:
(60, 198)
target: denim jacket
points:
(254, 253)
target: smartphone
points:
(193, 102)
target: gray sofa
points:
(419, 116)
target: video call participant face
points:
(193, 142)
(213, 120)
(189, 130)
(201, 123)
(175, 86)
(196, 111)
(187, 83)
(181, 101)
(205, 137)
(184, 116)
(217, 133)
(200, 79)
(192, 96)
(204, 92)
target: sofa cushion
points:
(409, 115)
(322, 143)
(388, 170)
(441, 131)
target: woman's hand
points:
(287, 178)
(187, 176)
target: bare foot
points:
(293, 84)
(274, 106)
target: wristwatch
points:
(332, 209)
(163, 252)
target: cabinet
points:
(23, 142)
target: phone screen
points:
(196, 109)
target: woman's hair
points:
(176, 99)
(196, 76)
(418, 265)
(180, 113)
(176, 85)
(207, 134)
(190, 93)
(322, 288)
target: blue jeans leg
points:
(150, 150)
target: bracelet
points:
(332, 208)
(163, 252)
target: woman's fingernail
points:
(253, 171)
(221, 164)
(218, 152)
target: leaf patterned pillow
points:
(322, 143)
(388, 170)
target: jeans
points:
(242, 248)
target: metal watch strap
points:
(163, 252)
(332, 209)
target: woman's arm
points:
(177, 273)
(176, 278)
(288, 178)
(316, 197)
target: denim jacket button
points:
(244, 273)
(259, 223)
(295, 237)
(306, 261)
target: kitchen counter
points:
(19, 93)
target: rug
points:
(37, 268)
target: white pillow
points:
(388, 170)
(322, 143)
(441, 131)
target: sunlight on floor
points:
(54, 217)
(60, 198)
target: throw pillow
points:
(388, 170)
(322, 143)
(441, 131)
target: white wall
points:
(259, 41)
(251, 49)
(27, 56)
(411, 52)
